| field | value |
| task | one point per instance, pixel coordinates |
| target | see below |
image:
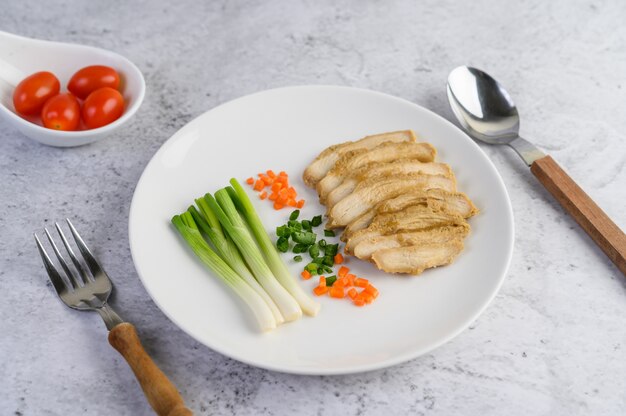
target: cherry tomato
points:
(31, 94)
(61, 112)
(90, 78)
(103, 106)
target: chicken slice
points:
(365, 249)
(400, 167)
(413, 218)
(384, 153)
(436, 199)
(372, 191)
(327, 159)
(415, 259)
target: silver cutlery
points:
(88, 289)
(487, 112)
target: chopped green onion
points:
(297, 258)
(317, 220)
(283, 231)
(329, 233)
(304, 237)
(282, 244)
(314, 251)
(311, 267)
(330, 280)
(306, 225)
(322, 243)
(331, 249)
(328, 261)
(294, 215)
(300, 248)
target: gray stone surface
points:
(553, 341)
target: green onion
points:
(283, 231)
(229, 218)
(330, 280)
(294, 215)
(317, 220)
(322, 243)
(297, 258)
(282, 244)
(314, 251)
(329, 233)
(272, 257)
(300, 248)
(328, 261)
(306, 225)
(188, 230)
(227, 250)
(304, 237)
(331, 249)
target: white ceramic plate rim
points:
(395, 360)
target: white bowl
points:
(20, 57)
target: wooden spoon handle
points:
(581, 207)
(158, 389)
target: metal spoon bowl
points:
(487, 112)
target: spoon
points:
(21, 57)
(487, 112)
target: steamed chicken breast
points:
(327, 159)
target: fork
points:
(89, 292)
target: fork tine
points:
(91, 261)
(84, 276)
(53, 274)
(68, 273)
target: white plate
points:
(284, 129)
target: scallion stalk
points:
(188, 230)
(275, 262)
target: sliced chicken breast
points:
(365, 249)
(416, 259)
(413, 218)
(436, 199)
(327, 159)
(370, 192)
(384, 153)
(372, 170)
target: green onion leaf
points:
(329, 233)
(283, 231)
(322, 243)
(294, 215)
(314, 251)
(297, 258)
(328, 261)
(306, 225)
(304, 237)
(330, 280)
(331, 249)
(311, 267)
(317, 220)
(300, 248)
(282, 244)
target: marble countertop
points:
(552, 342)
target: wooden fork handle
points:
(158, 389)
(606, 234)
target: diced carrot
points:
(343, 270)
(338, 284)
(300, 203)
(291, 203)
(320, 290)
(336, 291)
(322, 281)
(283, 193)
(278, 205)
(358, 301)
(263, 195)
(352, 293)
(273, 196)
(250, 180)
(291, 192)
(270, 173)
(266, 179)
(259, 185)
(306, 275)
(361, 282)
(344, 281)
(282, 173)
(351, 278)
(371, 290)
(276, 186)
(368, 298)
(338, 258)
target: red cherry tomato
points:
(31, 94)
(61, 112)
(90, 78)
(103, 106)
